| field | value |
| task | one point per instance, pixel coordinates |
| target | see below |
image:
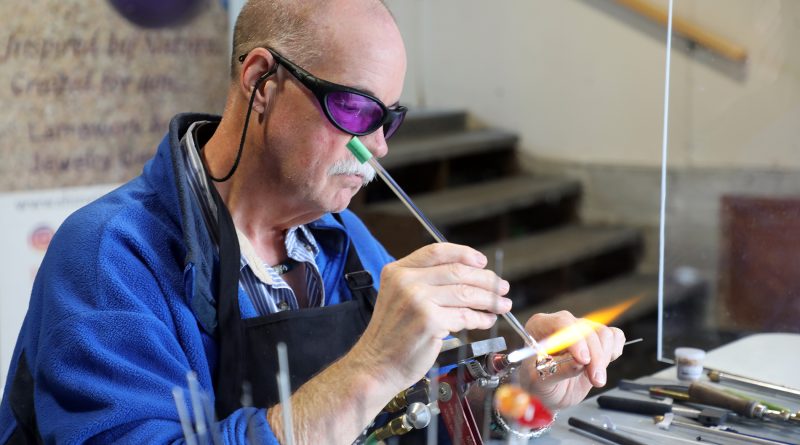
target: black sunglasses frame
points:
(320, 88)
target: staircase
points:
(467, 180)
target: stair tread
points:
(545, 251)
(418, 114)
(617, 290)
(607, 293)
(426, 122)
(472, 202)
(409, 150)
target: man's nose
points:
(376, 143)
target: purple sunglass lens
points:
(353, 112)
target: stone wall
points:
(87, 87)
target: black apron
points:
(314, 337)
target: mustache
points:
(352, 167)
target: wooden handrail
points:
(689, 30)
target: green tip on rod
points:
(359, 150)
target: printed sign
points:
(29, 221)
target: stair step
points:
(420, 123)
(546, 251)
(608, 293)
(407, 151)
(474, 202)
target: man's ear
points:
(257, 66)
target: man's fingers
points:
(461, 295)
(541, 326)
(458, 319)
(596, 369)
(457, 273)
(580, 352)
(443, 253)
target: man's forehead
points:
(365, 54)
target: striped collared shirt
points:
(267, 290)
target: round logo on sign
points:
(40, 237)
(157, 13)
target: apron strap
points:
(359, 281)
(228, 312)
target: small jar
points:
(689, 363)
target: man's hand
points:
(592, 355)
(438, 289)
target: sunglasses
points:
(348, 109)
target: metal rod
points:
(437, 235)
(459, 426)
(285, 393)
(725, 377)
(499, 255)
(608, 435)
(647, 433)
(212, 419)
(183, 415)
(527, 352)
(433, 395)
(726, 434)
(197, 407)
(247, 402)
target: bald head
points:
(298, 28)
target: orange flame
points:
(566, 337)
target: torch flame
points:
(570, 335)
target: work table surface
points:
(774, 358)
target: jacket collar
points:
(167, 174)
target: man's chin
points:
(337, 209)
(342, 201)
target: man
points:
(220, 250)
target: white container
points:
(689, 362)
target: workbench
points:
(773, 357)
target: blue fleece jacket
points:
(123, 307)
